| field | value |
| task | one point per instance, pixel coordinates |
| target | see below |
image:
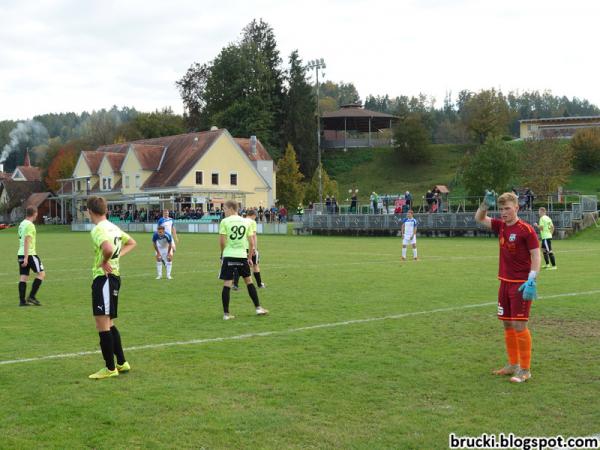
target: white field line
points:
(283, 332)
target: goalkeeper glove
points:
(529, 288)
(489, 199)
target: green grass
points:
(403, 382)
(381, 170)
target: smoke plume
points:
(25, 135)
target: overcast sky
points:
(76, 55)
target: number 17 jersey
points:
(235, 229)
(107, 231)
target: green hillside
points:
(382, 171)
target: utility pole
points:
(318, 64)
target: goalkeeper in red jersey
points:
(519, 266)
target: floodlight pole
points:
(318, 64)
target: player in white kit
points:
(409, 234)
(163, 244)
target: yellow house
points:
(194, 170)
(556, 127)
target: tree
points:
(152, 125)
(290, 190)
(192, 87)
(412, 140)
(61, 166)
(485, 113)
(300, 124)
(546, 165)
(586, 149)
(493, 166)
(330, 187)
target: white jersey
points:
(410, 226)
(167, 223)
(162, 243)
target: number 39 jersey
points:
(107, 231)
(235, 229)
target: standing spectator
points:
(429, 200)
(300, 210)
(408, 199)
(283, 214)
(334, 205)
(386, 200)
(354, 201)
(261, 212)
(374, 201)
(328, 205)
(530, 198)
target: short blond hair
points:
(508, 197)
(231, 204)
(542, 209)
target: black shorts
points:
(547, 245)
(230, 265)
(256, 258)
(33, 263)
(105, 296)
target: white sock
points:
(169, 264)
(404, 252)
(159, 269)
(414, 252)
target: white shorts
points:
(163, 253)
(407, 240)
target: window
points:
(233, 179)
(127, 181)
(199, 178)
(103, 184)
(78, 185)
(109, 182)
(138, 180)
(215, 178)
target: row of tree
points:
(542, 165)
(473, 115)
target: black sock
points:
(258, 279)
(108, 352)
(552, 260)
(253, 294)
(225, 299)
(22, 289)
(34, 288)
(117, 346)
(546, 257)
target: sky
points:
(76, 55)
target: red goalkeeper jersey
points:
(516, 242)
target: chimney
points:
(253, 145)
(27, 162)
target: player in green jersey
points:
(28, 259)
(110, 244)
(546, 228)
(237, 247)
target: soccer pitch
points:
(359, 350)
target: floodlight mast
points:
(318, 64)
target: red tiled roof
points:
(31, 173)
(115, 160)
(93, 160)
(19, 191)
(149, 156)
(183, 151)
(37, 199)
(175, 155)
(261, 153)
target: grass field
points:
(359, 351)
